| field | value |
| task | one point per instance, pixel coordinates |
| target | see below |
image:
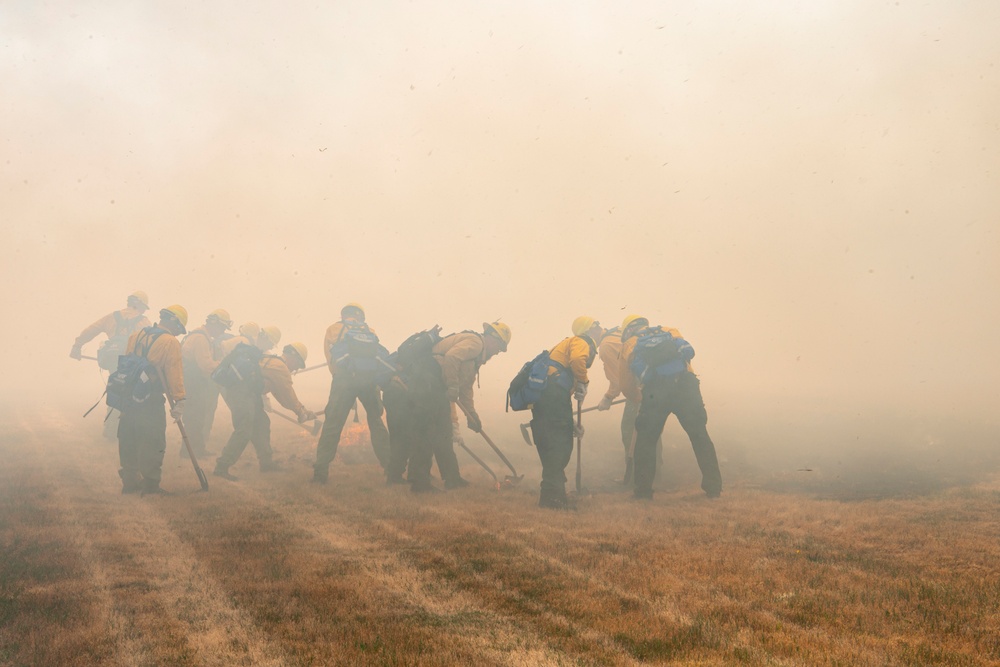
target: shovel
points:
(526, 428)
(512, 478)
(184, 436)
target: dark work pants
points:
(678, 394)
(250, 425)
(142, 440)
(552, 430)
(199, 409)
(344, 390)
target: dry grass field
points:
(273, 571)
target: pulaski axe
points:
(526, 428)
(313, 430)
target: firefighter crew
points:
(142, 430)
(552, 423)
(349, 383)
(250, 421)
(610, 354)
(671, 388)
(201, 353)
(118, 326)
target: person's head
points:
(496, 337)
(294, 355)
(250, 331)
(631, 324)
(268, 338)
(353, 311)
(589, 327)
(174, 319)
(218, 322)
(138, 301)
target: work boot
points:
(130, 487)
(392, 480)
(223, 472)
(457, 483)
(554, 500)
(642, 494)
(425, 488)
(151, 488)
(270, 466)
(320, 476)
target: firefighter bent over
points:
(246, 402)
(656, 370)
(142, 429)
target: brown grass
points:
(271, 570)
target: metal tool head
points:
(526, 434)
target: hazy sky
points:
(807, 190)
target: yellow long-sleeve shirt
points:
(575, 353)
(460, 356)
(333, 334)
(629, 382)
(199, 351)
(228, 345)
(131, 321)
(165, 354)
(278, 382)
(609, 352)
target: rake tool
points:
(202, 479)
(579, 443)
(512, 478)
(314, 430)
(526, 428)
(496, 480)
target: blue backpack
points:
(529, 383)
(135, 380)
(359, 352)
(657, 352)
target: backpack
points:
(115, 346)
(660, 353)
(240, 368)
(135, 379)
(417, 348)
(529, 383)
(359, 352)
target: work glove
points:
(605, 403)
(76, 353)
(306, 415)
(581, 391)
(456, 435)
(578, 430)
(475, 424)
(177, 409)
(266, 402)
(453, 394)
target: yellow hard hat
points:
(250, 329)
(500, 330)
(299, 349)
(178, 313)
(633, 319)
(583, 324)
(273, 334)
(353, 306)
(139, 296)
(220, 315)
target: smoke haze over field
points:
(808, 191)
